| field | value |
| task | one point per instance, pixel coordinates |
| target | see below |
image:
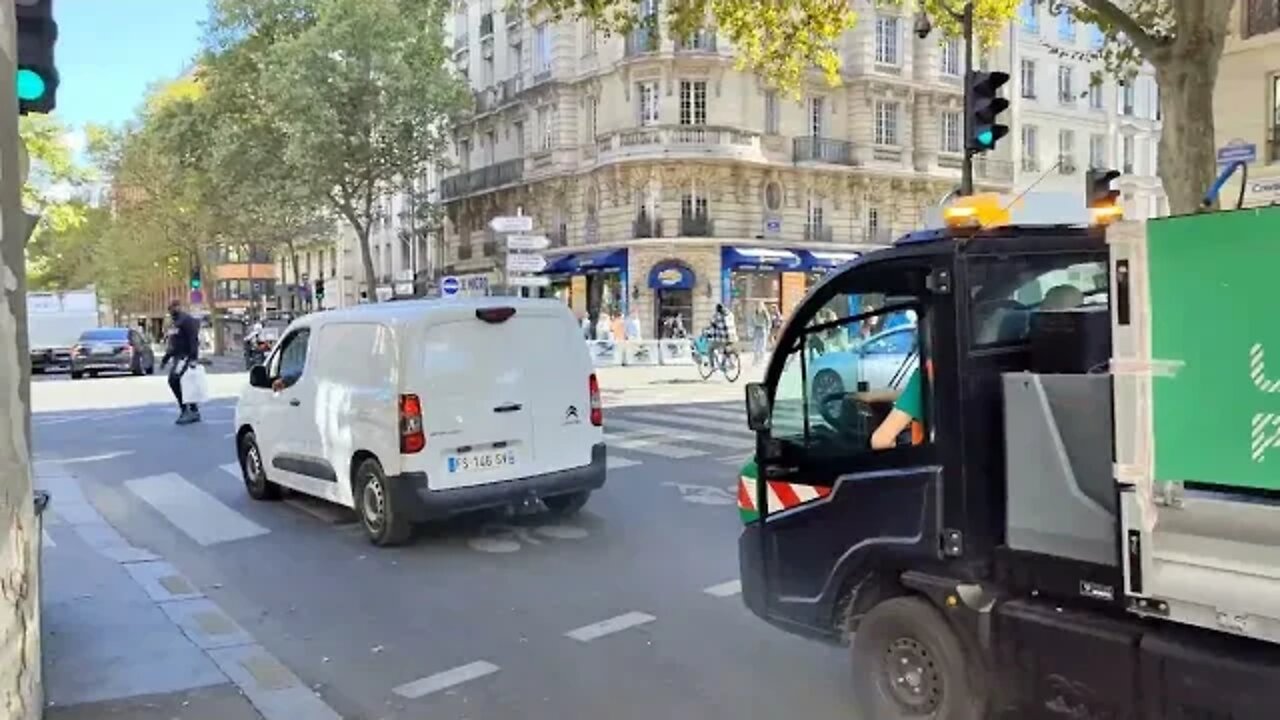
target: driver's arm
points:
(908, 407)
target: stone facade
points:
(1246, 101)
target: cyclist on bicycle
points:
(717, 332)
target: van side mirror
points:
(757, 407)
(258, 377)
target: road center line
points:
(444, 680)
(724, 589)
(587, 633)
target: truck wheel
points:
(254, 471)
(908, 663)
(567, 505)
(383, 522)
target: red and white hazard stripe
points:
(782, 495)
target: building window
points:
(1096, 38)
(886, 122)
(647, 102)
(1066, 27)
(816, 116)
(951, 65)
(546, 127)
(592, 114)
(1097, 151)
(951, 128)
(693, 206)
(1127, 152)
(693, 102)
(1260, 17)
(814, 216)
(873, 223)
(490, 147)
(1030, 16)
(1028, 77)
(1066, 151)
(486, 25)
(1128, 95)
(517, 128)
(1066, 93)
(772, 110)
(1030, 149)
(542, 47)
(464, 155)
(486, 72)
(1095, 96)
(588, 37)
(515, 58)
(886, 40)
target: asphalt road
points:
(629, 610)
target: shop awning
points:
(601, 260)
(822, 260)
(732, 257)
(671, 275)
(562, 265)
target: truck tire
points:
(254, 471)
(384, 522)
(909, 663)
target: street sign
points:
(529, 281)
(526, 263)
(528, 242)
(512, 224)
(449, 286)
(1237, 151)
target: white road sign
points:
(529, 281)
(528, 242)
(512, 224)
(529, 263)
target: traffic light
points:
(195, 278)
(319, 290)
(985, 105)
(37, 80)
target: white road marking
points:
(45, 540)
(89, 458)
(444, 680)
(587, 633)
(195, 512)
(613, 462)
(737, 417)
(724, 589)
(650, 443)
(696, 423)
(675, 433)
(233, 469)
(703, 494)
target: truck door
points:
(834, 508)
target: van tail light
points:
(495, 315)
(412, 437)
(597, 410)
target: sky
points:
(110, 51)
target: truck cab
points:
(972, 562)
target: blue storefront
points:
(591, 281)
(672, 283)
(777, 277)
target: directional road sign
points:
(529, 281)
(526, 263)
(528, 242)
(449, 286)
(512, 224)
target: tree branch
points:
(1112, 14)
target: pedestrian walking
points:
(184, 352)
(761, 323)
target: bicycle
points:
(724, 359)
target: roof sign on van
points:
(495, 315)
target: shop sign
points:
(670, 275)
(1260, 192)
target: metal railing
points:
(490, 176)
(510, 88)
(683, 138)
(640, 41)
(701, 41)
(646, 227)
(826, 150)
(818, 233)
(697, 226)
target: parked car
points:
(879, 361)
(118, 350)
(418, 410)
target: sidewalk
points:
(125, 635)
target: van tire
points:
(910, 631)
(568, 504)
(254, 471)
(383, 522)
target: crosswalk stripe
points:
(203, 518)
(680, 434)
(233, 469)
(715, 412)
(650, 443)
(674, 417)
(614, 462)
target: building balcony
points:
(640, 41)
(480, 179)
(678, 140)
(819, 233)
(701, 41)
(485, 100)
(508, 89)
(697, 226)
(646, 227)
(824, 150)
(464, 250)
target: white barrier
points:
(675, 352)
(605, 353)
(640, 352)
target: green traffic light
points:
(986, 138)
(31, 86)
(195, 284)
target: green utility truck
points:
(1082, 519)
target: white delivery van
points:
(414, 411)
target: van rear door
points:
(487, 375)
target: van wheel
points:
(566, 505)
(383, 522)
(254, 471)
(908, 663)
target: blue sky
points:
(110, 51)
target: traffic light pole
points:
(966, 165)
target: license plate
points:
(480, 461)
(101, 349)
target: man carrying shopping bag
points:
(186, 377)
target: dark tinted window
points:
(1006, 290)
(105, 335)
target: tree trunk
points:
(366, 259)
(1187, 156)
(21, 696)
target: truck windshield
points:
(1007, 289)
